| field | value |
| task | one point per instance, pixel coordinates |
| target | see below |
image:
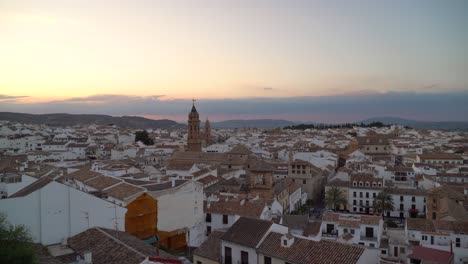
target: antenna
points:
(116, 221)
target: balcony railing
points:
(364, 238)
(331, 234)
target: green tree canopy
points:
(16, 245)
(383, 202)
(143, 137)
(334, 197)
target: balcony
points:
(365, 238)
(332, 234)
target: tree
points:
(15, 243)
(143, 137)
(383, 202)
(334, 197)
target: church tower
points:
(207, 132)
(193, 138)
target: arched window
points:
(374, 184)
(367, 184)
(361, 184)
(354, 183)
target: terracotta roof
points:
(110, 246)
(373, 140)
(247, 231)
(440, 156)
(250, 208)
(211, 248)
(312, 228)
(101, 182)
(124, 191)
(240, 150)
(304, 251)
(83, 174)
(428, 225)
(39, 184)
(431, 255)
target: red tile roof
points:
(431, 255)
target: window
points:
(304, 181)
(266, 260)
(360, 194)
(374, 184)
(361, 184)
(402, 207)
(227, 255)
(457, 242)
(225, 219)
(354, 194)
(402, 198)
(424, 237)
(208, 218)
(351, 231)
(369, 232)
(413, 199)
(345, 230)
(383, 252)
(285, 242)
(372, 245)
(199, 262)
(367, 195)
(367, 184)
(244, 257)
(354, 202)
(354, 183)
(374, 195)
(208, 230)
(380, 184)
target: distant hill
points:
(445, 125)
(71, 120)
(254, 123)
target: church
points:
(195, 139)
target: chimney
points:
(287, 240)
(88, 257)
(173, 182)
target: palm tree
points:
(334, 197)
(383, 202)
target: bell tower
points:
(207, 132)
(193, 138)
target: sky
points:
(327, 61)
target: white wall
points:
(57, 211)
(236, 252)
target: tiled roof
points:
(240, 150)
(252, 208)
(123, 191)
(430, 255)
(304, 251)
(312, 228)
(427, 225)
(211, 248)
(101, 182)
(440, 156)
(32, 187)
(83, 174)
(247, 231)
(110, 246)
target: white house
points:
(53, 211)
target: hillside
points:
(254, 123)
(71, 120)
(446, 125)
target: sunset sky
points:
(92, 56)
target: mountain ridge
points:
(63, 119)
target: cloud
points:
(340, 108)
(107, 98)
(10, 98)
